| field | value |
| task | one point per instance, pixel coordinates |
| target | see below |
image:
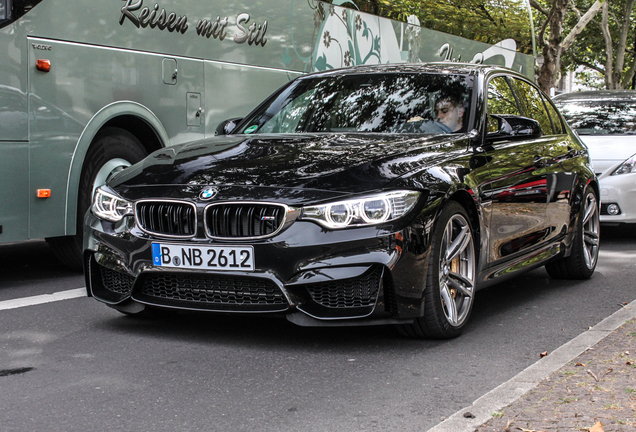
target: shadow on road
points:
(29, 262)
(620, 233)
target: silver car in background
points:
(606, 122)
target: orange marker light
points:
(44, 193)
(43, 65)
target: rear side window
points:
(554, 115)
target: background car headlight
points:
(629, 166)
(369, 210)
(109, 206)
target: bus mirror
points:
(227, 127)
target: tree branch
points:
(589, 65)
(576, 11)
(538, 7)
(629, 75)
(541, 35)
(609, 74)
(622, 39)
(583, 21)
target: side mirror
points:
(514, 127)
(227, 127)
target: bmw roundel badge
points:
(208, 193)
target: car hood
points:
(269, 165)
(610, 147)
(609, 151)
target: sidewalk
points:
(590, 387)
(597, 386)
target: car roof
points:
(438, 67)
(596, 95)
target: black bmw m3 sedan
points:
(371, 195)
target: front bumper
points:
(314, 276)
(620, 190)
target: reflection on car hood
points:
(610, 147)
(344, 163)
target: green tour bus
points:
(88, 88)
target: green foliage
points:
(591, 79)
(589, 48)
(488, 21)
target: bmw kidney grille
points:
(243, 220)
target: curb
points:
(526, 380)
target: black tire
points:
(449, 281)
(585, 248)
(111, 146)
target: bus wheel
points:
(112, 150)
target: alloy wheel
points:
(457, 270)
(591, 231)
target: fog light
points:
(613, 209)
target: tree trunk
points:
(609, 48)
(552, 47)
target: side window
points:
(5, 10)
(501, 100)
(554, 115)
(12, 10)
(532, 105)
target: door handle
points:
(539, 162)
(571, 153)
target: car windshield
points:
(600, 117)
(377, 103)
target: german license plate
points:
(203, 257)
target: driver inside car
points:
(449, 113)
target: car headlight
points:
(368, 210)
(629, 166)
(107, 205)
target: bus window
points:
(478, 20)
(5, 12)
(11, 10)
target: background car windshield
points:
(600, 117)
(379, 103)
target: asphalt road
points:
(76, 365)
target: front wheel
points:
(585, 248)
(112, 150)
(450, 283)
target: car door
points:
(556, 155)
(518, 183)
